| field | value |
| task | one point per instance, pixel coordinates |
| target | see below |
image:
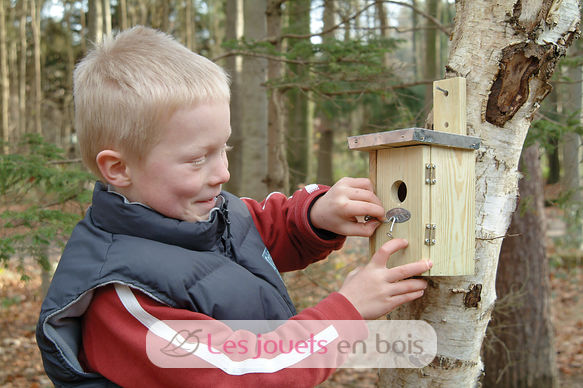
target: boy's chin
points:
(196, 217)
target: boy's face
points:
(182, 175)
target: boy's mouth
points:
(209, 201)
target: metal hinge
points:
(430, 234)
(430, 174)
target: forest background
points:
(306, 74)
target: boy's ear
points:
(113, 168)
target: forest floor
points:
(21, 366)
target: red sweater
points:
(119, 324)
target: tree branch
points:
(433, 19)
(303, 87)
(265, 56)
(276, 39)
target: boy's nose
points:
(220, 173)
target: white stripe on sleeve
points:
(220, 360)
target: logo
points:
(241, 347)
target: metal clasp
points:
(430, 174)
(430, 234)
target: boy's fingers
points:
(405, 271)
(408, 286)
(358, 194)
(361, 229)
(363, 183)
(381, 256)
(398, 300)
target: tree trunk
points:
(106, 17)
(68, 108)
(123, 14)
(35, 17)
(95, 22)
(571, 147)
(519, 347)
(216, 31)
(299, 132)
(381, 14)
(84, 30)
(142, 12)
(507, 62)
(22, 70)
(254, 142)
(4, 78)
(12, 46)
(162, 12)
(554, 173)
(189, 24)
(431, 62)
(277, 169)
(416, 46)
(234, 65)
(325, 174)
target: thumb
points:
(381, 256)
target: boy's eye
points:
(199, 161)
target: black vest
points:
(219, 267)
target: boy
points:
(161, 241)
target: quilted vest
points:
(218, 267)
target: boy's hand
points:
(375, 290)
(336, 211)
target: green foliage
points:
(335, 68)
(549, 131)
(42, 197)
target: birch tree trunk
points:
(507, 51)
(254, 144)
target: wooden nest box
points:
(429, 177)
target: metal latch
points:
(430, 234)
(430, 174)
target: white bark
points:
(525, 38)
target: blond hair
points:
(126, 87)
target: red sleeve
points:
(120, 324)
(284, 226)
